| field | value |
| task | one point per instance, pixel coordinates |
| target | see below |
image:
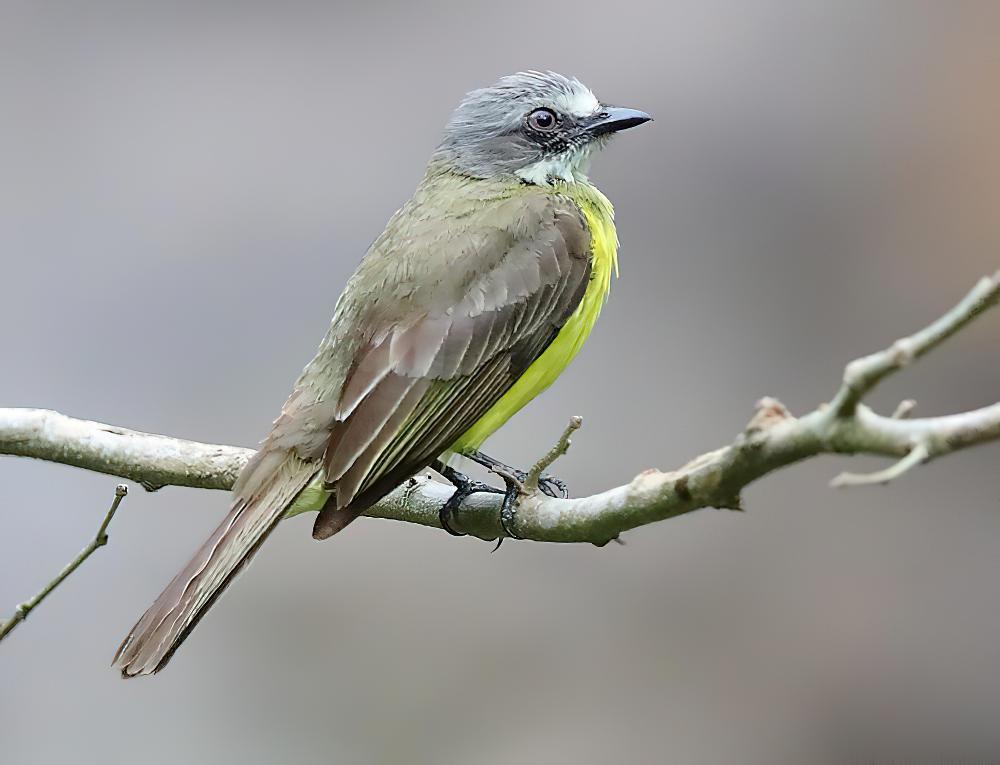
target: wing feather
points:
(367, 422)
(426, 381)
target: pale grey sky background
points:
(184, 189)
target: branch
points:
(100, 539)
(151, 460)
(861, 375)
(557, 451)
(772, 440)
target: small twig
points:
(905, 409)
(99, 540)
(917, 455)
(863, 374)
(557, 451)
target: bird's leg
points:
(549, 484)
(515, 487)
(465, 486)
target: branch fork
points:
(773, 439)
(548, 459)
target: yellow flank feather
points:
(311, 499)
(543, 372)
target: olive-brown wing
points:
(423, 384)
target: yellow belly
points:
(561, 351)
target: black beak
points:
(611, 119)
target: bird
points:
(477, 295)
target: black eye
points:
(542, 119)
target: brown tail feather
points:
(165, 625)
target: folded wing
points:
(422, 384)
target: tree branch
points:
(772, 439)
(863, 374)
(100, 539)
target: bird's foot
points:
(465, 487)
(548, 484)
(514, 483)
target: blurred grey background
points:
(184, 189)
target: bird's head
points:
(538, 126)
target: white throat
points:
(571, 166)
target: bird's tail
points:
(266, 488)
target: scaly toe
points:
(552, 486)
(508, 510)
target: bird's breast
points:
(600, 217)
